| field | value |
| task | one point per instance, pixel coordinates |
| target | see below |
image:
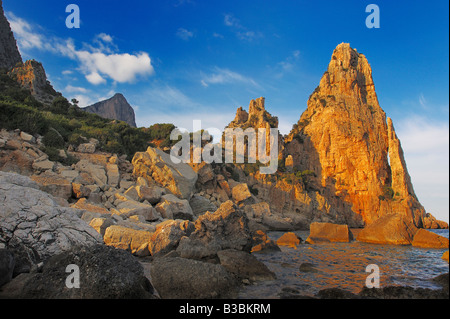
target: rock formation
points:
(9, 53)
(115, 108)
(31, 76)
(345, 138)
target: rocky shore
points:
(136, 229)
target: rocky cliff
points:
(31, 76)
(9, 54)
(345, 138)
(115, 108)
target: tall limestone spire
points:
(345, 138)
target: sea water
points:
(343, 265)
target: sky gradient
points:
(182, 60)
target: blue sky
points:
(180, 60)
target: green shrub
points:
(53, 139)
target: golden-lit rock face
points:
(31, 76)
(345, 138)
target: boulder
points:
(180, 278)
(112, 172)
(43, 165)
(156, 166)
(244, 265)
(430, 222)
(167, 236)
(445, 256)
(226, 228)
(130, 207)
(240, 193)
(54, 184)
(27, 137)
(171, 207)
(150, 194)
(262, 243)
(289, 239)
(31, 218)
(7, 263)
(426, 239)
(86, 148)
(105, 273)
(200, 205)
(100, 224)
(261, 213)
(95, 172)
(329, 233)
(82, 204)
(134, 241)
(80, 191)
(393, 229)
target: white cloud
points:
(105, 37)
(241, 31)
(425, 144)
(73, 89)
(23, 32)
(119, 67)
(184, 34)
(95, 78)
(226, 76)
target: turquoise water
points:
(343, 265)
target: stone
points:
(329, 233)
(54, 184)
(7, 264)
(263, 244)
(94, 172)
(430, 222)
(134, 241)
(105, 273)
(226, 228)
(307, 267)
(168, 235)
(244, 265)
(100, 224)
(171, 207)
(112, 172)
(151, 194)
(30, 217)
(44, 165)
(200, 205)
(83, 204)
(180, 278)
(393, 229)
(426, 239)
(240, 193)
(445, 256)
(130, 207)
(289, 239)
(86, 148)
(156, 166)
(132, 193)
(80, 191)
(27, 137)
